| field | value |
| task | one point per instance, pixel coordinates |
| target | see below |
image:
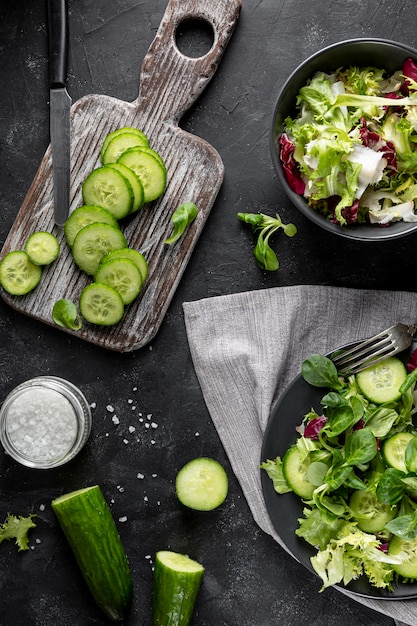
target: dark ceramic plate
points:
(285, 509)
(379, 53)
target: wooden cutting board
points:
(169, 84)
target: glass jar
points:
(44, 422)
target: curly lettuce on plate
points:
(351, 151)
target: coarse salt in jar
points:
(44, 422)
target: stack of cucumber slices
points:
(131, 174)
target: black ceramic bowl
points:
(379, 53)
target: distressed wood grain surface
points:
(169, 84)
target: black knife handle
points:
(58, 41)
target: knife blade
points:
(60, 107)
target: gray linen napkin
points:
(247, 347)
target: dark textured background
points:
(249, 580)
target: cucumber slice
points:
(408, 568)
(176, 583)
(84, 215)
(393, 450)
(120, 131)
(202, 484)
(91, 532)
(295, 473)
(94, 241)
(101, 304)
(42, 248)
(149, 169)
(18, 275)
(135, 183)
(120, 143)
(123, 275)
(370, 513)
(109, 189)
(381, 382)
(133, 255)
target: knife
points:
(60, 107)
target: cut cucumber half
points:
(135, 183)
(42, 248)
(101, 304)
(133, 255)
(83, 216)
(176, 583)
(295, 473)
(120, 143)
(123, 275)
(408, 568)
(370, 513)
(91, 532)
(109, 189)
(94, 241)
(18, 275)
(393, 450)
(150, 170)
(381, 383)
(202, 484)
(120, 131)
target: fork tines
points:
(365, 354)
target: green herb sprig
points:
(266, 226)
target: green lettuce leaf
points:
(17, 528)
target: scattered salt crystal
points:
(129, 401)
(93, 405)
(147, 424)
(126, 441)
(132, 429)
(121, 489)
(110, 408)
(197, 434)
(123, 518)
(154, 425)
(145, 498)
(139, 475)
(134, 389)
(115, 419)
(154, 475)
(149, 416)
(153, 441)
(148, 557)
(41, 507)
(141, 419)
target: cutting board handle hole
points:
(194, 37)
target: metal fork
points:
(369, 352)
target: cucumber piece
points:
(202, 484)
(135, 183)
(133, 255)
(109, 189)
(393, 450)
(408, 568)
(94, 241)
(150, 170)
(176, 583)
(84, 215)
(381, 383)
(123, 275)
(101, 304)
(42, 248)
(91, 532)
(18, 275)
(295, 473)
(119, 131)
(370, 513)
(120, 143)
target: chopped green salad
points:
(351, 150)
(354, 467)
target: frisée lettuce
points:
(351, 150)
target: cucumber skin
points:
(173, 595)
(91, 532)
